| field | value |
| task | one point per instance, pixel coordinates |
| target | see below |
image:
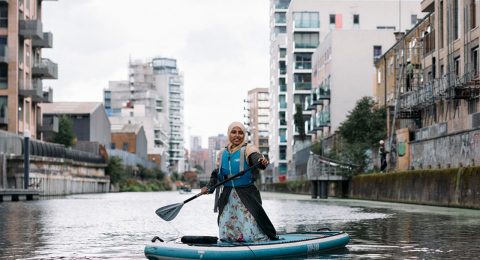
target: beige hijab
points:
(248, 150)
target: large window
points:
(356, 19)
(303, 81)
(475, 65)
(306, 40)
(3, 108)
(306, 19)
(280, 18)
(456, 20)
(3, 76)
(3, 16)
(377, 52)
(303, 61)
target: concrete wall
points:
(459, 187)
(453, 150)
(57, 176)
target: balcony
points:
(31, 29)
(283, 87)
(46, 69)
(302, 86)
(324, 93)
(48, 96)
(46, 42)
(303, 65)
(3, 54)
(35, 91)
(427, 6)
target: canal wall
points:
(456, 187)
(55, 176)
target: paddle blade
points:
(169, 212)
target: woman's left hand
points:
(263, 161)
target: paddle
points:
(171, 211)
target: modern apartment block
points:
(258, 115)
(152, 97)
(298, 28)
(215, 144)
(430, 83)
(22, 67)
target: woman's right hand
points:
(204, 190)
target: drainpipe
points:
(26, 158)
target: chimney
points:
(398, 35)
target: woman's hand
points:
(263, 161)
(204, 190)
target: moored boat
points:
(290, 244)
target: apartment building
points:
(258, 116)
(22, 67)
(215, 144)
(130, 138)
(429, 80)
(298, 28)
(152, 97)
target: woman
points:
(241, 217)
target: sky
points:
(221, 46)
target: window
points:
(306, 40)
(356, 19)
(112, 146)
(283, 52)
(332, 19)
(280, 29)
(456, 63)
(306, 19)
(303, 81)
(456, 20)
(440, 24)
(3, 16)
(3, 76)
(282, 153)
(473, 14)
(413, 19)
(3, 108)
(472, 105)
(303, 61)
(280, 18)
(377, 52)
(475, 65)
(125, 147)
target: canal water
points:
(118, 225)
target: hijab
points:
(230, 147)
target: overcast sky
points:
(222, 47)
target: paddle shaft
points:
(222, 182)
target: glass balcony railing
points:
(280, 19)
(283, 105)
(307, 24)
(303, 65)
(303, 85)
(306, 44)
(283, 87)
(283, 122)
(324, 92)
(283, 139)
(283, 71)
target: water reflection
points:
(117, 226)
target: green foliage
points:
(364, 127)
(199, 168)
(299, 122)
(317, 148)
(65, 133)
(174, 176)
(115, 170)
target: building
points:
(258, 115)
(215, 144)
(152, 97)
(429, 81)
(297, 28)
(130, 138)
(333, 93)
(195, 143)
(90, 122)
(22, 67)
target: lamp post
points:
(26, 158)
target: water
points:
(118, 225)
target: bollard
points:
(26, 158)
(314, 189)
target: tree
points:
(299, 122)
(115, 169)
(364, 127)
(65, 133)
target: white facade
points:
(152, 97)
(298, 28)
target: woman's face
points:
(236, 136)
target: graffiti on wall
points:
(449, 151)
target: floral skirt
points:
(236, 224)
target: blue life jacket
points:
(233, 163)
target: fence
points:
(13, 144)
